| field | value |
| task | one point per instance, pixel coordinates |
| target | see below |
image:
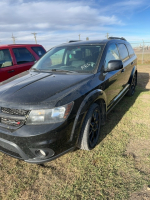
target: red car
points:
(16, 58)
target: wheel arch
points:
(103, 108)
(96, 96)
(134, 71)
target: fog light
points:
(40, 153)
(43, 153)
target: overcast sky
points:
(57, 21)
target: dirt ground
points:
(139, 149)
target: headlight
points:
(49, 116)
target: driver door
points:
(113, 82)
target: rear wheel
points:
(91, 128)
(132, 86)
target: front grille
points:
(14, 111)
(11, 118)
(11, 122)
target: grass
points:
(117, 168)
(145, 58)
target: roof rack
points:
(120, 38)
(74, 41)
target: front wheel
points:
(91, 128)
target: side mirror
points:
(114, 65)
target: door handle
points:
(123, 70)
(11, 71)
(132, 63)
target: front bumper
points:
(15, 151)
(26, 142)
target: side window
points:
(131, 51)
(5, 58)
(39, 51)
(112, 54)
(123, 51)
(57, 57)
(23, 55)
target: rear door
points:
(7, 67)
(124, 55)
(24, 60)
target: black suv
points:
(61, 102)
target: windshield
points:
(80, 58)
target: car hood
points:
(30, 88)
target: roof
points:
(93, 42)
(86, 42)
(8, 45)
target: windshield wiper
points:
(34, 69)
(63, 70)
(38, 70)
(53, 70)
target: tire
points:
(91, 128)
(131, 91)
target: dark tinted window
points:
(23, 55)
(123, 51)
(130, 49)
(5, 58)
(112, 54)
(39, 51)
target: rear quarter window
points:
(39, 51)
(123, 51)
(130, 50)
